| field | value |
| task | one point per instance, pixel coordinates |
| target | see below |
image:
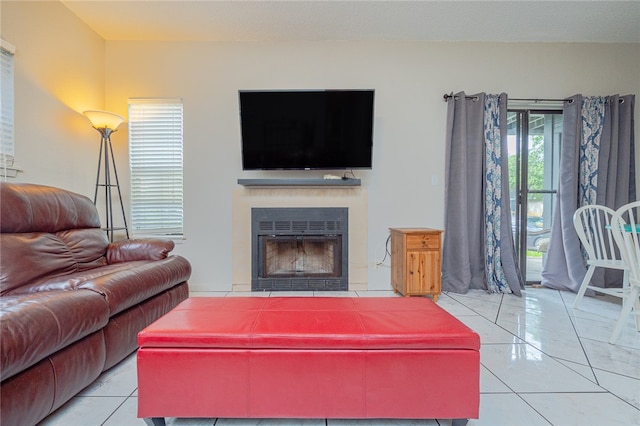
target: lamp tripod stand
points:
(106, 123)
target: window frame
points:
(156, 165)
(7, 110)
(523, 110)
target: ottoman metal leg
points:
(459, 422)
(155, 421)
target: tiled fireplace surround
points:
(246, 198)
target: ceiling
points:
(472, 20)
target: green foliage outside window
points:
(536, 166)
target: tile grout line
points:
(573, 326)
(593, 369)
(116, 409)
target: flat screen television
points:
(306, 129)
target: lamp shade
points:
(103, 119)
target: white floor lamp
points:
(107, 123)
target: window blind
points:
(156, 167)
(7, 147)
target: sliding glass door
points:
(534, 149)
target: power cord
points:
(386, 251)
(344, 177)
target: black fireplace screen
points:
(299, 248)
(301, 255)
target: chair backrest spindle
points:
(626, 227)
(593, 225)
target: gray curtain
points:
(470, 260)
(597, 166)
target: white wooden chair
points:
(625, 227)
(593, 225)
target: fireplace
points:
(299, 249)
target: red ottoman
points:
(298, 357)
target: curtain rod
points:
(540, 100)
(475, 98)
(451, 95)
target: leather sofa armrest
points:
(139, 249)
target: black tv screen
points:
(299, 130)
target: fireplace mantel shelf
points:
(298, 182)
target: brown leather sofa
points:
(71, 303)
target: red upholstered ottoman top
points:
(309, 323)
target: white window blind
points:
(7, 147)
(155, 156)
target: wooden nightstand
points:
(416, 261)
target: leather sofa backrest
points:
(46, 232)
(38, 208)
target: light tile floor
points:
(543, 363)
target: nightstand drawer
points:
(423, 242)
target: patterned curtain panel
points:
(597, 166)
(592, 119)
(493, 194)
(478, 250)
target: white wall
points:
(409, 78)
(59, 72)
(63, 68)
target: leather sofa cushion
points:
(37, 208)
(87, 246)
(122, 284)
(139, 249)
(309, 323)
(130, 286)
(28, 257)
(25, 257)
(34, 326)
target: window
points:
(155, 156)
(7, 148)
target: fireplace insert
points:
(299, 249)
